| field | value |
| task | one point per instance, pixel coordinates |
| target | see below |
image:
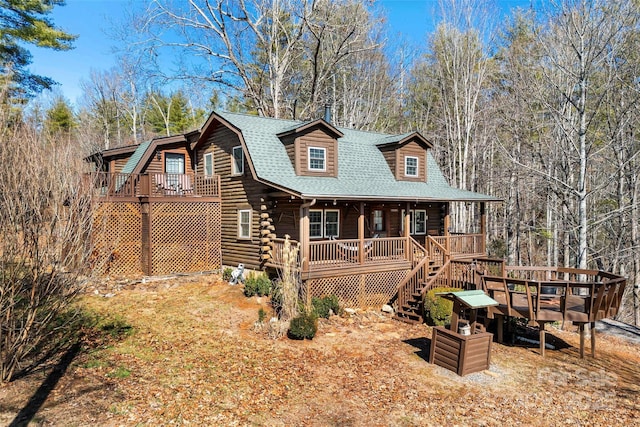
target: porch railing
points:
(337, 253)
(155, 185)
(459, 244)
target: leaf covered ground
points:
(192, 357)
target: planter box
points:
(462, 354)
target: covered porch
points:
(358, 236)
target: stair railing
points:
(420, 256)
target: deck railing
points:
(461, 244)
(115, 185)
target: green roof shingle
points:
(362, 169)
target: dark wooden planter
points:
(462, 354)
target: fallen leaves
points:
(195, 359)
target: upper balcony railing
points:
(115, 185)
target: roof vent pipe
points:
(327, 113)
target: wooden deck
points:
(154, 185)
(547, 295)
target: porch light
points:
(334, 202)
(158, 154)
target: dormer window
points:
(411, 166)
(317, 159)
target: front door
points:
(173, 167)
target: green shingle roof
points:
(362, 169)
(132, 162)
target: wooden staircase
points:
(410, 310)
(429, 266)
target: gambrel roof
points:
(363, 172)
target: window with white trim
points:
(324, 223)
(411, 166)
(208, 164)
(417, 221)
(317, 159)
(237, 163)
(244, 224)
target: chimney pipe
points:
(327, 113)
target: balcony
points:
(123, 185)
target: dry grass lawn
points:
(193, 358)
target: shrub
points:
(437, 310)
(257, 285)
(303, 327)
(261, 315)
(226, 274)
(322, 307)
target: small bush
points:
(323, 307)
(226, 274)
(261, 315)
(437, 310)
(303, 327)
(257, 285)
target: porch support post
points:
(447, 226)
(407, 220)
(447, 219)
(483, 227)
(361, 234)
(304, 234)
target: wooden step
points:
(407, 316)
(407, 319)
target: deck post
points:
(361, 234)
(146, 258)
(483, 226)
(543, 344)
(593, 339)
(581, 329)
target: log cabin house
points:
(367, 208)
(370, 211)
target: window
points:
(237, 167)
(417, 221)
(208, 164)
(411, 166)
(315, 224)
(244, 224)
(317, 159)
(174, 163)
(378, 220)
(324, 223)
(420, 222)
(331, 222)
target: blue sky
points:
(92, 19)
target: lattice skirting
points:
(117, 238)
(160, 238)
(369, 290)
(185, 237)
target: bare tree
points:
(45, 222)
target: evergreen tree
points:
(60, 117)
(26, 21)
